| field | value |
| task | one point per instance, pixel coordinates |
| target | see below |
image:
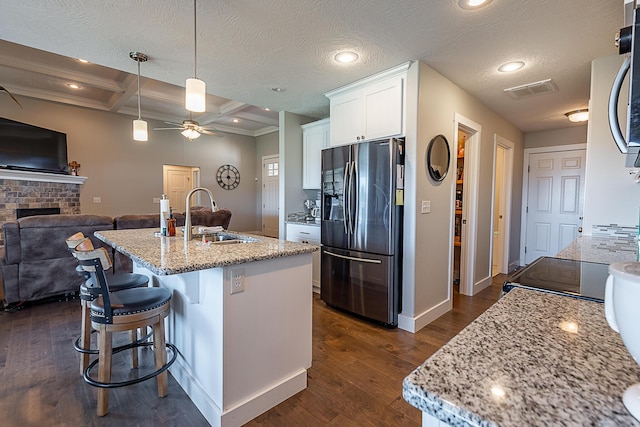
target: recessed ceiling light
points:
(84, 61)
(73, 86)
(267, 109)
(473, 4)
(346, 57)
(278, 89)
(235, 121)
(511, 66)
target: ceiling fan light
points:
(577, 116)
(195, 95)
(140, 130)
(190, 134)
(473, 4)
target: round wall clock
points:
(228, 177)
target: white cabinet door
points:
(372, 111)
(315, 137)
(346, 118)
(383, 112)
(308, 234)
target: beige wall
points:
(432, 103)
(292, 195)
(127, 175)
(576, 134)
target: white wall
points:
(127, 174)
(432, 102)
(611, 193)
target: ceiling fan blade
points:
(174, 123)
(180, 128)
(208, 132)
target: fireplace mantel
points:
(41, 176)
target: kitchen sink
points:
(224, 238)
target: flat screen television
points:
(32, 148)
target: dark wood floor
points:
(355, 380)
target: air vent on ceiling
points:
(530, 89)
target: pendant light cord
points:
(195, 41)
(138, 89)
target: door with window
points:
(270, 194)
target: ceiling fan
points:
(190, 128)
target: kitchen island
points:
(240, 317)
(532, 359)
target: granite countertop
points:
(516, 366)
(606, 250)
(171, 255)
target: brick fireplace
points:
(29, 190)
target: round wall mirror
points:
(438, 157)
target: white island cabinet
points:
(370, 108)
(315, 137)
(240, 317)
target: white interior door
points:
(555, 200)
(270, 194)
(177, 181)
(502, 190)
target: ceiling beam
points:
(65, 74)
(118, 99)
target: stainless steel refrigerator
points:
(361, 228)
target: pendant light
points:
(196, 90)
(139, 126)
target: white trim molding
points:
(41, 176)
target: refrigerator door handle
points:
(370, 261)
(354, 182)
(345, 186)
(350, 209)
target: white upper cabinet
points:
(368, 109)
(315, 137)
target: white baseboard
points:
(243, 412)
(414, 324)
(483, 284)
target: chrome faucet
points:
(187, 220)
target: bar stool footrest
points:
(76, 345)
(95, 383)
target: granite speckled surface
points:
(171, 255)
(605, 250)
(516, 366)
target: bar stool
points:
(124, 310)
(117, 282)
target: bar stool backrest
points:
(96, 262)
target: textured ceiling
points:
(246, 47)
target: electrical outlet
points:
(97, 200)
(156, 200)
(237, 280)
